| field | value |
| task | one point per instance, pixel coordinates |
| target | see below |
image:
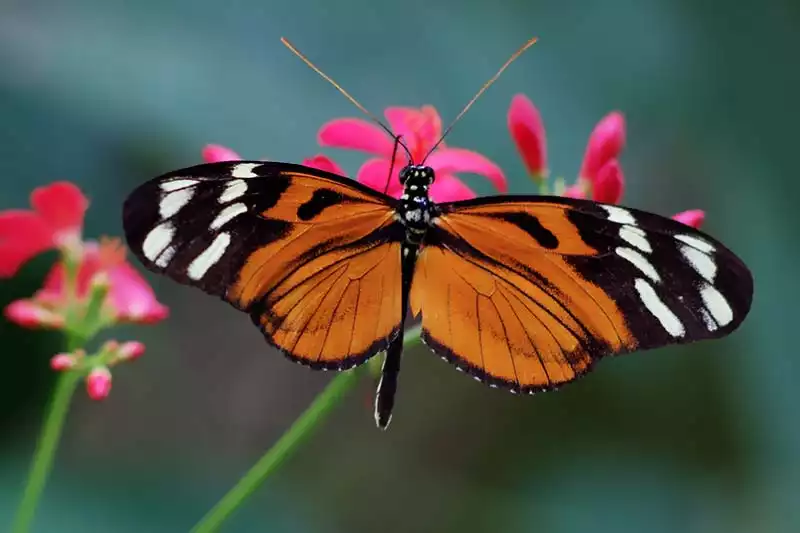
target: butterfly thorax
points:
(415, 210)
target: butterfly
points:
(523, 293)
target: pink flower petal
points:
(693, 217)
(448, 188)
(450, 160)
(527, 130)
(605, 143)
(216, 153)
(374, 174)
(131, 297)
(609, 185)
(356, 134)
(62, 206)
(420, 128)
(23, 235)
(29, 314)
(325, 163)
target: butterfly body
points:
(524, 293)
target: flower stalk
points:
(288, 443)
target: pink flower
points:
(527, 131)
(56, 221)
(129, 299)
(323, 162)
(420, 130)
(98, 383)
(693, 217)
(605, 143)
(215, 153)
(609, 185)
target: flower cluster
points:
(90, 288)
(600, 177)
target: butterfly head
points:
(418, 175)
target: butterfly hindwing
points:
(312, 257)
(528, 292)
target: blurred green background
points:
(696, 439)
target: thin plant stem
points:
(289, 441)
(46, 446)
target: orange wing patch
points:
(328, 292)
(510, 313)
(541, 272)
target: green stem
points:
(45, 449)
(281, 450)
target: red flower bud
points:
(63, 361)
(98, 383)
(605, 144)
(609, 185)
(130, 350)
(527, 130)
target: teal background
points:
(695, 439)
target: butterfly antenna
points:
(347, 95)
(486, 85)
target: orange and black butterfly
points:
(524, 293)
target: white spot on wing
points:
(172, 202)
(639, 261)
(702, 263)
(245, 170)
(198, 268)
(228, 214)
(158, 239)
(700, 244)
(174, 185)
(635, 236)
(665, 316)
(165, 257)
(233, 190)
(716, 304)
(619, 215)
(708, 320)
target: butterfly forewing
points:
(312, 256)
(527, 292)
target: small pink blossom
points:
(420, 129)
(693, 217)
(605, 143)
(215, 153)
(527, 131)
(609, 185)
(56, 221)
(98, 383)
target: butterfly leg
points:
(387, 386)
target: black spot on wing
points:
(530, 224)
(320, 200)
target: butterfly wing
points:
(528, 292)
(313, 257)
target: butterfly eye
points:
(404, 175)
(429, 174)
